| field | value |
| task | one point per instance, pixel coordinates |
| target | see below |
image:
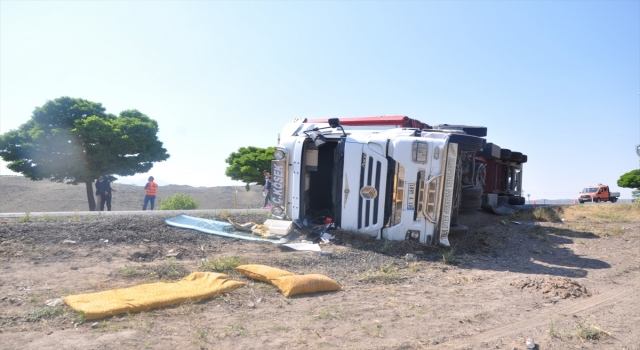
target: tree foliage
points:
(73, 140)
(630, 179)
(247, 164)
(179, 202)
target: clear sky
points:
(556, 80)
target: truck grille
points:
(370, 173)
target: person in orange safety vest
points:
(150, 193)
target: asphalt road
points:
(133, 212)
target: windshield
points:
(590, 190)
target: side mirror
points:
(334, 122)
(318, 139)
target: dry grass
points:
(222, 264)
(386, 274)
(603, 213)
(167, 271)
(598, 213)
(462, 279)
(590, 332)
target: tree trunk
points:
(90, 198)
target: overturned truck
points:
(392, 178)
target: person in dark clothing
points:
(98, 183)
(103, 187)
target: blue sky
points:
(558, 81)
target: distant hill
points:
(18, 194)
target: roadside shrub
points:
(546, 214)
(179, 202)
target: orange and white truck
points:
(597, 194)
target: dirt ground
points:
(567, 277)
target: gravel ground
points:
(570, 284)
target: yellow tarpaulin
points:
(196, 286)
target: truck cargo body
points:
(499, 171)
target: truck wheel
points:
(468, 142)
(596, 200)
(580, 202)
(516, 156)
(488, 151)
(480, 131)
(469, 204)
(514, 200)
(481, 174)
(505, 154)
(471, 192)
(613, 200)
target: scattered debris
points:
(248, 227)
(530, 343)
(139, 256)
(278, 227)
(54, 302)
(68, 241)
(196, 286)
(314, 247)
(222, 229)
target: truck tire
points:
(596, 200)
(481, 174)
(579, 201)
(471, 192)
(490, 151)
(516, 156)
(515, 200)
(468, 142)
(505, 154)
(470, 204)
(480, 131)
(614, 199)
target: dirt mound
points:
(555, 287)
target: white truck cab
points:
(395, 183)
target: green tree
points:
(73, 141)
(179, 202)
(630, 179)
(247, 164)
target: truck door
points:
(364, 178)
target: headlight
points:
(277, 211)
(279, 154)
